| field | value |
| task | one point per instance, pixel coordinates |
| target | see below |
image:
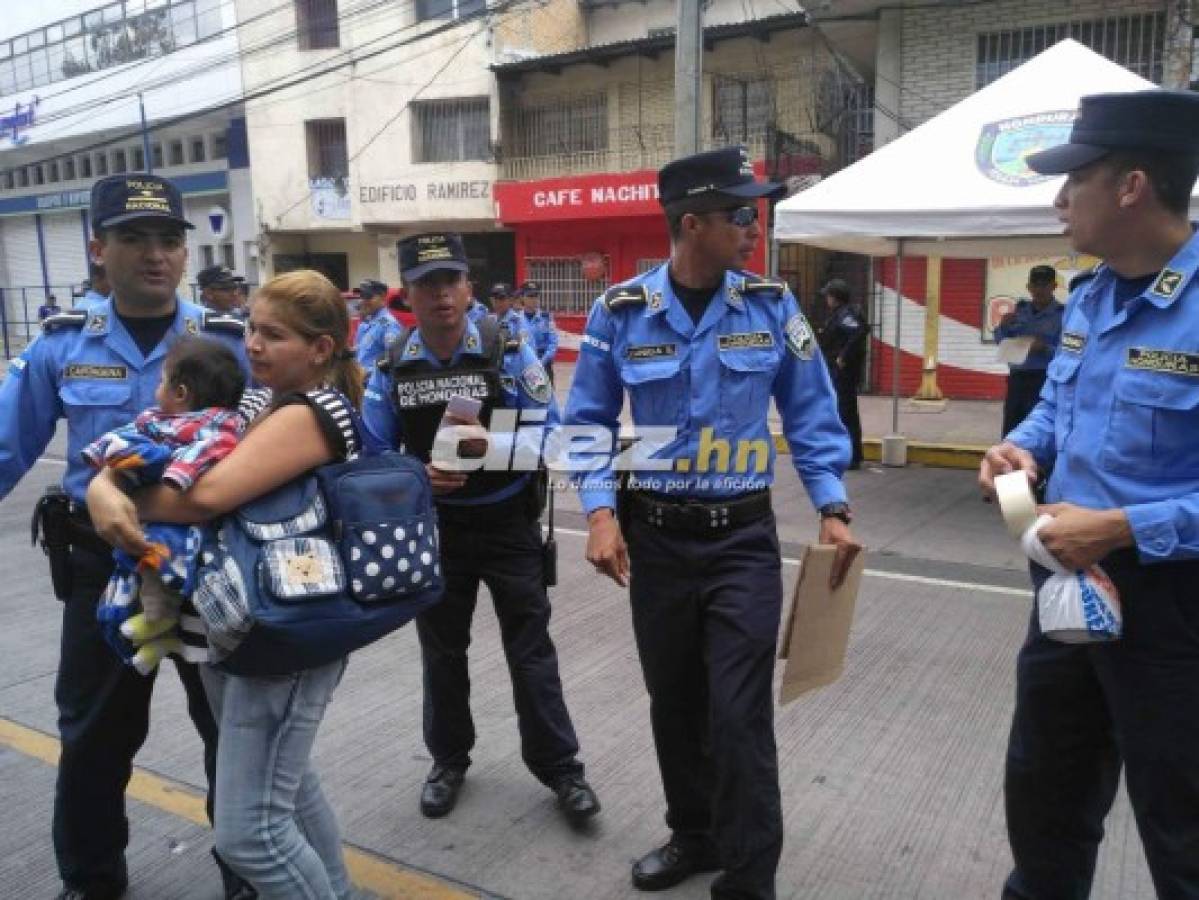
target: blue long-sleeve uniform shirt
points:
(1119, 413)
(523, 386)
(375, 334)
(709, 382)
(476, 310)
(86, 368)
(1029, 321)
(516, 324)
(544, 336)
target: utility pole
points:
(149, 160)
(688, 77)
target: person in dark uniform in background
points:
(843, 343)
(503, 307)
(701, 346)
(1119, 421)
(540, 325)
(488, 526)
(1040, 318)
(221, 291)
(99, 368)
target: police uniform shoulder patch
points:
(535, 383)
(223, 323)
(626, 295)
(800, 339)
(756, 284)
(72, 318)
(1083, 277)
(1167, 283)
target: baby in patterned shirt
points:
(195, 425)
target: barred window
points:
(566, 125)
(447, 9)
(563, 287)
(316, 24)
(327, 156)
(1135, 42)
(743, 108)
(451, 130)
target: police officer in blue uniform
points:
(98, 368)
(488, 523)
(543, 333)
(221, 291)
(843, 343)
(503, 307)
(1119, 421)
(1039, 317)
(96, 288)
(377, 327)
(476, 310)
(701, 346)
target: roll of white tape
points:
(1016, 502)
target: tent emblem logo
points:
(1004, 145)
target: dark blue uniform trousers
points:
(706, 617)
(103, 718)
(1081, 712)
(503, 550)
(1023, 392)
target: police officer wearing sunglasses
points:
(701, 346)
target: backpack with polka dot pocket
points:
(320, 567)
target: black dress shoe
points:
(576, 799)
(670, 864)
(94, 892)
(441, 789)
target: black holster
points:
(51, 527)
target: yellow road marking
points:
(381, 877)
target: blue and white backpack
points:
(319, 567)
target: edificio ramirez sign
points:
(412, 191)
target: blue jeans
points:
(273, 825)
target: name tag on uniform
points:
(1073, 342)
(426, 390)
(650, 351)
(745, 340)
(1172, 361)
(86, 370)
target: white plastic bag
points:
(1073, 607)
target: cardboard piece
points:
(816, 634)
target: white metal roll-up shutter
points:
(66, 255)
(22, 267)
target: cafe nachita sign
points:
(579, 197)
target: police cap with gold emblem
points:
(125, 198)
(1165, 121)
(725, 173)
(425, 253)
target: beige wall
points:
(539, 29)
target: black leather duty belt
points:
(699, 516)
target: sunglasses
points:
(742, 216)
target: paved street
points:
(891, 778)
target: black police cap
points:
(530, 289)
(425, 253)
(126, 198)
(1139, 120)
(217, 275)
(369, 287)
(499, 290)
(727, 171)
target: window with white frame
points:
(316, 24)
(448, 9)
(451, 130)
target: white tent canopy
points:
(957, 185)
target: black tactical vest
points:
(420, 391)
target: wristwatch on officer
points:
(839, 510)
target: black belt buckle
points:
(706, 516)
